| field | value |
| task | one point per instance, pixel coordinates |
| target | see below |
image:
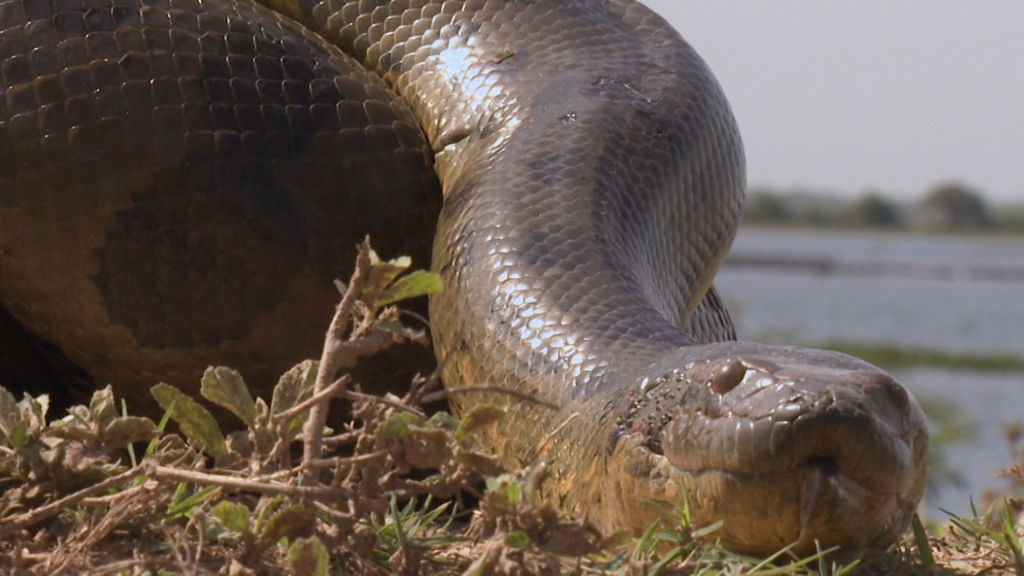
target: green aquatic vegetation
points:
(892, 357)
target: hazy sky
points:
(894, 95)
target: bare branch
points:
(50, 510)
(330, 361)
(165, 473)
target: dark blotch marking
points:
(252, 183)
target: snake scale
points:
(181, 179)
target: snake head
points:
(783, 445)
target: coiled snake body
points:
(180, 180)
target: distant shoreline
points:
(867, 268)
(845, 228)
(949, 208)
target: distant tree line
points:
(950, 206)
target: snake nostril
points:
(827, 467)
(892, 389)
(727, 376)
(899, 396)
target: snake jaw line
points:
(829, 448)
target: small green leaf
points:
(518, 540)
(126, 430)
(195, 421)
(398, 265)
(34, 409)
(293, 522)
(17, 435)
(290, 388)
(397, 425)
(478, 418)
(308, 556)
(504, 492)
(382, 274)
(414, 284)
(232, 515)
(1009, 535)
(262, 410)
(8, 403)
(921, 539)
(443, 421)
(184, 502)
(20, 421)
(102, 406)
(707, 530)
(225, 387)
(10, 415)
(238, 442)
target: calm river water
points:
(957, 294)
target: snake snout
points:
(829, 448)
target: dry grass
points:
(392, 491)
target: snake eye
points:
(727, 376)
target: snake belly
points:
(183, 178)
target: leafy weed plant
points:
(280, 488)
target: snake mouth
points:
(806, 495)
(792, 446)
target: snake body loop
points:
(589, 176)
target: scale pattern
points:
(181, 180)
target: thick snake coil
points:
(180, 180)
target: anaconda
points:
(180, 180)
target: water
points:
(989, 401)
(954, 294)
